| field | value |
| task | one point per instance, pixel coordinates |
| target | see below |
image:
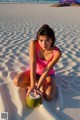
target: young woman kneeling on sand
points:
(43, 56)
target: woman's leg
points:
(49, 88)
(23, 79)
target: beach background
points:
(18, 26)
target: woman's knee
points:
(48, 97)
(50, 93)
(17, 80)
(23, 79)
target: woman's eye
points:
(47, 40)
(41, 40)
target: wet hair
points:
(46, 30)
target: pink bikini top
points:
(41, 64)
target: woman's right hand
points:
(30, 89)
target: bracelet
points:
(37, 88)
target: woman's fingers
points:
(37, 92)
(28, 91)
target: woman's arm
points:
(48, 67)
(32, 64)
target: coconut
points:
(33, 100)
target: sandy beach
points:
(18, 26)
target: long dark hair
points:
(46, 30)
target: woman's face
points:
(44, 42)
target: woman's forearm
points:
(32, 74)
(42, 78)
(32, 63)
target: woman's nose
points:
(44, 44)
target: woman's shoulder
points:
(57, 49)
(33, 43)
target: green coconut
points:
(33, 100)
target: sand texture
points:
(18, 26)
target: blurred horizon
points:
(30, 1)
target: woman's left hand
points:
(37, 91)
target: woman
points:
(43, 56)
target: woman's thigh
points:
(22, 79)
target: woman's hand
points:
(37, 91)
(29, 89)
(34, 89)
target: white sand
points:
(18, 25)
